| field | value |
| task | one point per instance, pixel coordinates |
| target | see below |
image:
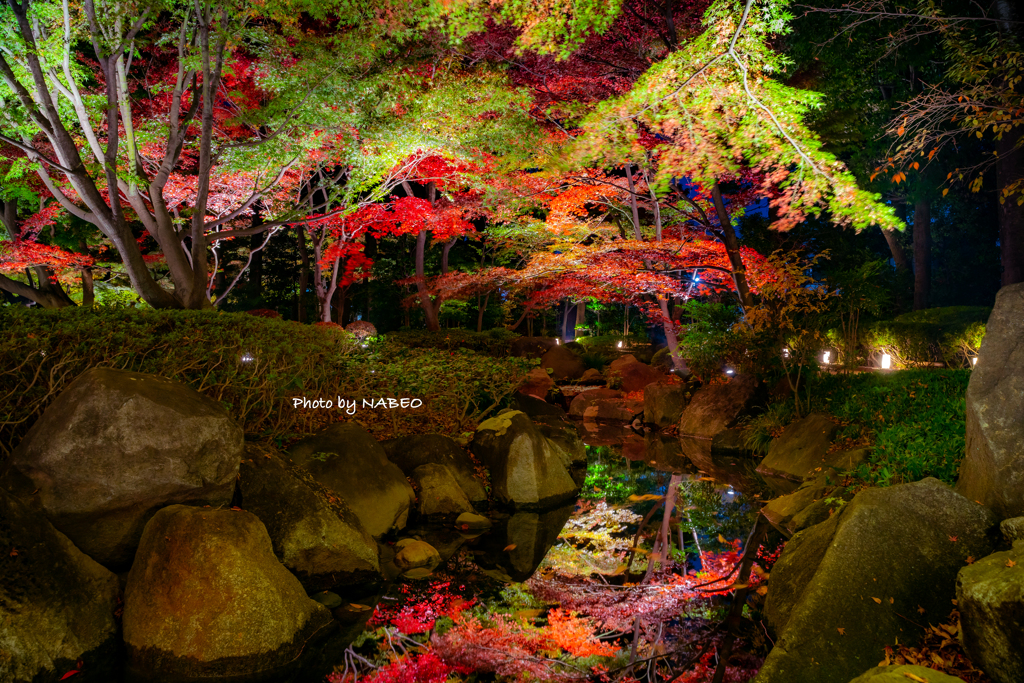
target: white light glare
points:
(729, 371)
(246, 358)
(974, 361)
(620, 345)
(826, 357)
(886, 361)
(785, 353)
(558, 341)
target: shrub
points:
(496, 342)
(950, 335)
(709, 338)
(252, 365)
(917, 419)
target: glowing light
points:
(886, 361)
(558, 341)
(246, 358)
(826, 357)
(974, 361)
(729, 371)
(619, 345)
(785, 353)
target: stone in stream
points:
(990, 598)
(207, 597)
(614, 409)
(537, 383)
(992, 471)
(903, 673)
(350, 462)
(411, 553)
(583, 400)
(409, 452)
(718, 406)
(664, 403)
(314, 533)
(115, 447)
(841, 589)
(470, 521)
(56, 604)
(440, 493)
(526, 468)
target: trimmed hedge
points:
(950, 335)
(496, 342)
(254, 366)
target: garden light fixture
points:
(826, 357)
(886, 361)
(974, 361)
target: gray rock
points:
(117, 446)
(664, 403)
(993, 470)
(526, 468)
(718, 406)
(409, 452)
(800, 451)
(563, 363)
(584, 399)
(349, 462)
(898, 674)
(562, 434)
(1013, 529)
(207, 597)
(783, 512)
(888, 553)
(440, 493)
(56, 604)
(314, 532)
(990, 597)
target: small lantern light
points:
(785, 353)
(558, 341)
(729, 371)
(886, 361)
(974, 361)
(619, 345)
(826, 357)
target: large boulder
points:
(314, 533)
(563, 363)
(527, 470)
(664, 403)
(990, 597)
(440, 493)
(1013, 529)
(350, 462)
(614, 409)
(117, 446)
(877, 569)
(56, 604)
(537, 383)
(904, 674)
(207, 597)
(718, 406)
(789, 513)
(561, 433)
(584, 399)
(993, 469)
(633, 375)
(800, 450)
(415, 450)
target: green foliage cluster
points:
(708, 338)
(252, 365)
(950, 335)
(917, 418)
(496, 342)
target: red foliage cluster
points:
(412, 616)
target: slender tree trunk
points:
(732, 248)
(899, 257)
(480, 312)
(565, 321)
(429, 311)
(88, 288)
(922, 253)
(300, 236)
(1009, 168)
(581, 315)
(255, 288)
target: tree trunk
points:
(47, 295)
(922, 253)
(581, 316)
(255, 288)
(565, 322)
(429, 311)
(481, 308)
(1011, 214)
(732, 248)
(300, 236)
(88, 288)
(899, 257)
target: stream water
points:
(626, 472)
